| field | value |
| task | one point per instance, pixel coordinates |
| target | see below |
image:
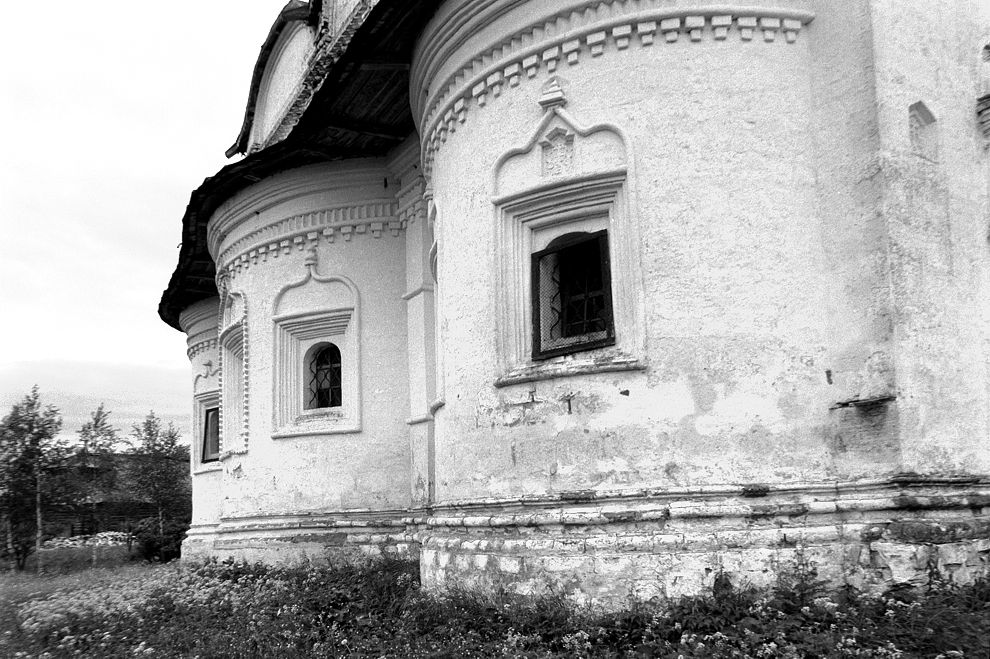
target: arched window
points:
(323, 377)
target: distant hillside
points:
(129, 392)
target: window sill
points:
(208, 468)
(560, 367)
(311, 425)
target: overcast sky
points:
(112, 113)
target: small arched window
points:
(323, 377)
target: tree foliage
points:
(160, 473)
(33, 466)
(94, 471)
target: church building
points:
(611, 294)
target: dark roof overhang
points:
(360, 109)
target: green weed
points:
(376, 609)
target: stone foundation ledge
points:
(871, 535)
(298, 538)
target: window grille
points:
(211, 434)
(325, 378)
(572, 295)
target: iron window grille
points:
(211, 434)
(572, 295)
(325, 378)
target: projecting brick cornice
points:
(202, 346)
(303, 231)
(586, 30)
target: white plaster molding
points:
(234, 393)
(202, 402)
(295, 331)
(209, 371)
(395, 519)
(232, 310)
(553, 100)
(720, 500)
(199, 316)
(373, 218)
(522, 219)
(200, 347)
(532, 205)
(584, 30)
(199, 322)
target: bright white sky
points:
(112, 113)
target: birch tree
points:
(160, 471)
(94, 468)
(32, 466)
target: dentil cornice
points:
(581, 30)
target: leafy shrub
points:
(159, 543)
(376, 609)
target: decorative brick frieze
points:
(569, 38)
(411, 202)
(303, 231)
(202, 346)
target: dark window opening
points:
(211, 434)
(324, 378)
(572, 295)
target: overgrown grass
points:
(67, 560)
(19, 588)
(376, 609)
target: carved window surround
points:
(298, 329)
(533, 218)
(234, 390)
(586, 184)
(201, 403)
(294, 336)
(234, 362)
(566, 38)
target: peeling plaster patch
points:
(738, 412)
(669, 400)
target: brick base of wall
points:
(293, 539)
(607, 547)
